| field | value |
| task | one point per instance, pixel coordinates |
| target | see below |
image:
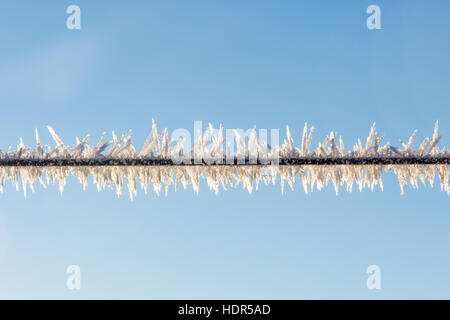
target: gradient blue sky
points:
(240, 63)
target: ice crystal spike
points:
(161, 163)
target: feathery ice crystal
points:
(161, 162)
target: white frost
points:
(218, 175)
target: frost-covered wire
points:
(162, 162)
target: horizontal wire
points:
(325, 161)
(161, 162)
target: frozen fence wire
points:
(161, 162)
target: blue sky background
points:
(240, 63)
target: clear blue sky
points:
(240, 63)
